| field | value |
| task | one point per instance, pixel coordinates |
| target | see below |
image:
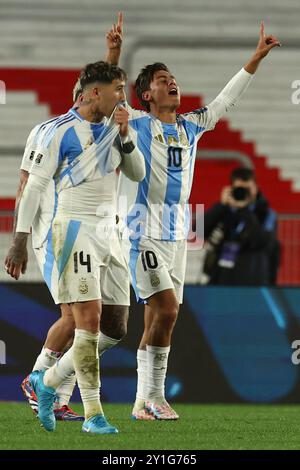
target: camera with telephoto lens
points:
(240, 193)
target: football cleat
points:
(65, 413)
(46, 397)
(142, 413)
(98, 425)
(29, 394)
(161, 411)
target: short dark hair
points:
(76, 90)
(244, 174)
(102, 72)
(144, 79)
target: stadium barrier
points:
(230, 345)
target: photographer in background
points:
(240, 233)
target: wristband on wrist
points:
(127, 144)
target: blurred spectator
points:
(240, 232)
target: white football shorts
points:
(156, 265)
(81, 261)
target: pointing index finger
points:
(120, 19)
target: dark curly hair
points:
(102, 72)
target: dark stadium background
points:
(230, 345)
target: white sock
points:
(46, 359)
(62, 376)
(65, 391)
(157, 363)
(105, 343)
(85, 346)
(86, 365)
(141, 393)
(62, 370)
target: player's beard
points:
(97, 114)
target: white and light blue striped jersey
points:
(74, 190)
(72, 150)
(157, 207)
(43, 218)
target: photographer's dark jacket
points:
(248, 252)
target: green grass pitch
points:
(200, 427)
